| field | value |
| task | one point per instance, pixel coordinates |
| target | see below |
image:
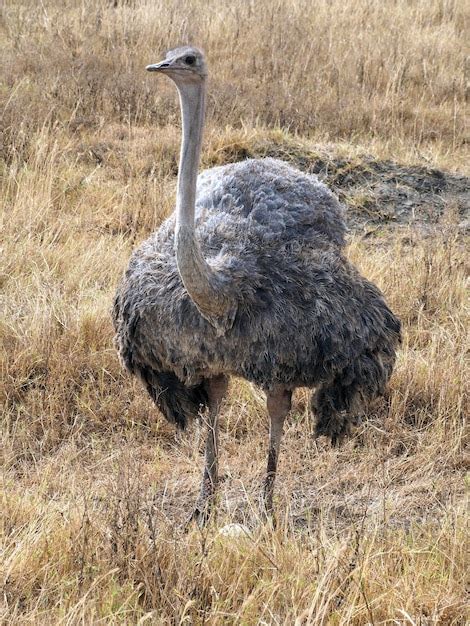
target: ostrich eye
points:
(190, 60)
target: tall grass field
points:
(95, 485)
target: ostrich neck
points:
(192, 101)
(201, 280)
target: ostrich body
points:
(247, 278)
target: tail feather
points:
(339, 402)
(178, 402)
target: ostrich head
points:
(182, 65)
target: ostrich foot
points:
(202, 511)
(268, 516)
(205, 503)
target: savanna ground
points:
(95, 485)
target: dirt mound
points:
(378, 192)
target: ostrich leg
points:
(216, 389)
(278, 404)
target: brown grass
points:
(95, 486)
(388, 74)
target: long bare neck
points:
(200, 279)
(192, 101)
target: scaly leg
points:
(279, 405)
(216, 389)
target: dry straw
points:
(95, 486)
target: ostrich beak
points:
(158, 67)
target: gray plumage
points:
(299, 314)
(304, 316)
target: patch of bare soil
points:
(387, 193)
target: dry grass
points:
(388, 74)
(95, 486)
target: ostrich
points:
(247, 278)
